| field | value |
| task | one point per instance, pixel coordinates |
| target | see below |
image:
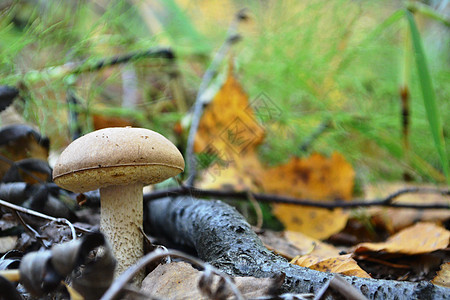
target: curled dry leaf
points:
(42, 272)
(10, 260)
(418, 239)
(19, 142)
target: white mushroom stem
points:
(121, 218)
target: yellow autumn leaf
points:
(418, 239)
(316, 177)
(343, 264)
(443, 276)
(311, 246)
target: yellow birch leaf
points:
(316, 177)
(418, 239)
(443, 276)
(311, 246)
(343, 264)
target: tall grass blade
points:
(429, 98)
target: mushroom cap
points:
(117, 156)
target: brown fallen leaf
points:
(418, 239)
(443, 276)
(395, 219)
(343, 264)
(179, 280)
(7, 243)
(228, 123)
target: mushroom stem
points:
(121, 216)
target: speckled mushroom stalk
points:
(119, 162)
(121, 222)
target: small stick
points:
(43, 216)
(232, 38)
(345, 288)
(386, 202)
(258, 210)
(319, 130)
(30, 229)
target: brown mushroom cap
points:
(117, 156)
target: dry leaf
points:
(343, 264)
(311, 246)
(443, 276)
(395, 219)
(316, 177)
(418, 239)
(7, 243)
(179, 280)
(228, 125)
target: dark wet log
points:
(223, 238)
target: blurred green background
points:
(335, 65)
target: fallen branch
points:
(386, 202)
(223, 238)
(30, 212)
(93, 198)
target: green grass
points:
(429, 98)
(316, 60)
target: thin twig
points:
(86, 66)
(43, 216)
(319, 130)
(126, 276)
(258, 211)
(70, 225)
(345, 288)
(232, 38)
(428, 11)
(31, 230)
(321, 292)
(386, 202)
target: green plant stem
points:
(428, 11)
(429, 98)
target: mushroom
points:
(119, 162)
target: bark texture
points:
(223, 238)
